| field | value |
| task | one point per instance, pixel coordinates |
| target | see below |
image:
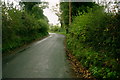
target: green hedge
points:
(20, 28)
(94, 40)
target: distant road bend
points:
(42, 59)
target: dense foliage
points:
(64, 9)
(56, 28)
(22, 26)
(94, 39)
(64, 18)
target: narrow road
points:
(42, 59)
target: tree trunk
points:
(70, 11)
(70, 16)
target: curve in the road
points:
(43, 59)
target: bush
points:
(94, 40)
(56, 29)
(18, 27)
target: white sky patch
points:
(15, 3)
(52, 17)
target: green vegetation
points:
(75, 9)
(94, 39)
(91, 34)
(57, 29)
(22, 26)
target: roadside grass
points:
(22, 45)
(101, 65)
(92, 64)
(63, 33)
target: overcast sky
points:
(52, 17)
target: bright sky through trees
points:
(52, 17)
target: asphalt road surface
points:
(42, 59)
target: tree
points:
(19, 25)
(70, 12)
(71, 9)
(64, 19)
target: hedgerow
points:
(94, 39)
(19, 27)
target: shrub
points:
(93, 39)
(18, 27)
